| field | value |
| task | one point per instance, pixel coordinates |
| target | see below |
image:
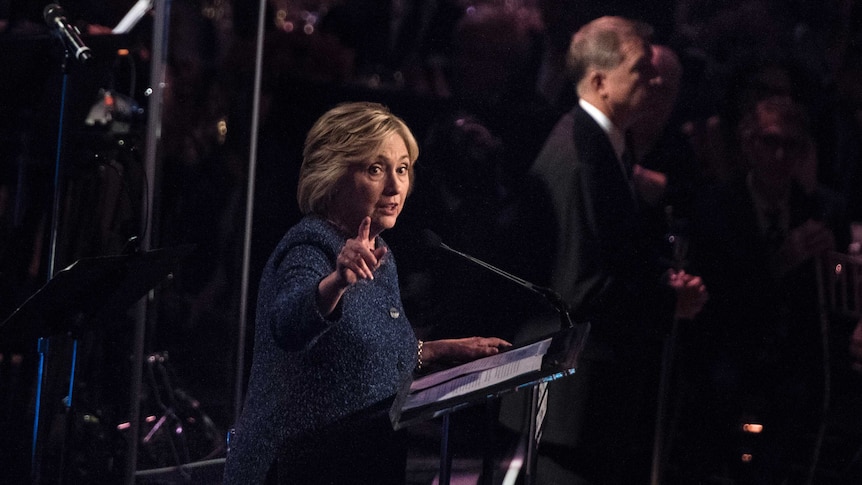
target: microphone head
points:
(429, 239)
(52, 12)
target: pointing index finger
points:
(364, 229)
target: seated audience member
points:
(755, 238)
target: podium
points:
(80, 297)
(527, 367)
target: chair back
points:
(840, 284)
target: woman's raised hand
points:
(359, 259)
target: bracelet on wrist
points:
(419, 362)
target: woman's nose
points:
(394, 182)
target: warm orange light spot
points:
(746, 457)
(122, 52)
(752, 428)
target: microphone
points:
(55, 17)
(432, 240)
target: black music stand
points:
(526, 367)
(82, 296)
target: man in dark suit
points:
(600, 422)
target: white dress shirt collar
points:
(617, 138)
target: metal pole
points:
(664, 397)
(161, 18)
(538, 409)
(43, 342)
(249, 213)
(445, 452)
(36, 448)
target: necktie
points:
(628, 161)
(628, 156)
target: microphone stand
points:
(43, 342)
(58, 157)
(550, 295)
(539, 392)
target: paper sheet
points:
(476, 375)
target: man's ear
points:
(596, 80)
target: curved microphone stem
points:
(552, 296)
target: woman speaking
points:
(332, 343)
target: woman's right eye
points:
(374, 169)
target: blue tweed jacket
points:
(308, 371)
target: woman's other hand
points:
(456, 351)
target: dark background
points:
(430, 69)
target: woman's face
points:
(376, 187)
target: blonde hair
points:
(598, 45)
(347, 134)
